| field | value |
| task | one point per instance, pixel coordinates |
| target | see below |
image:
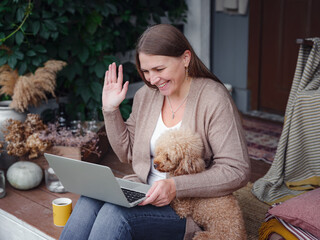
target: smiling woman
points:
(170, 76)
(180, 92)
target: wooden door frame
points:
(254, 52)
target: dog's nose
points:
(155, 165)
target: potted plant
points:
(27, 90)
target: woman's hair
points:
(167, 40)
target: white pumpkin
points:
(24, 175)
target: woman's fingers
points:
(113, 91)
(120, 75)
(161, 193)
(106, 80)
(125, 89)
(111, 74)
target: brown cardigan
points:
(211, 112)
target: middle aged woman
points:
(180, 92)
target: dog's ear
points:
(189, 165)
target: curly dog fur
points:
(180, 152)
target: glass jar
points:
(2, 184)
(75, 127)
(53, 183)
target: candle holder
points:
(53, 184)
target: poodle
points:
(179, 152)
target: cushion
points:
(301, 211)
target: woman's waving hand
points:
(113, 92)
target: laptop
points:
(96, 181)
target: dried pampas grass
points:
(31, 89)
(8, 79)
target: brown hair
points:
(166, 40)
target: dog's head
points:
(179, 152)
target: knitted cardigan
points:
(211, 112)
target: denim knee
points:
(111, 223)
(82, 218)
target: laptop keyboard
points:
(132, 196)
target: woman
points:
(179, 91)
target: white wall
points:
(230, 54)
(197, 29)
(229, 44)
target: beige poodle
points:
(179, 152)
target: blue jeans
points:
(94, 219)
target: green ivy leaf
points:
(50, 24)
(12, 61)
(55, 35)
(35, 27)
(22, 68)
(36, 61)
(44, 32)
(46, 14)
(3, 60)
(156, 18)
(107, 60)
(63, 29)
(96, 88)
(91, 62)
(83, 54)
(19, 55)
(19, 37)
(20, 14)
(62, 19)
(99, 69)
(30, 53)
(112, 8)
(40, 49)
(60, 3)
(99, 46)
(69, 73)
(85, 94)
(2, 35)
(92, 22)
(63, 52)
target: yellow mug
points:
(62, 208)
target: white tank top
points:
(154, 174)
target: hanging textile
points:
(296, 167)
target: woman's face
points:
(166, 73)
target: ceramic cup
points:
(62, 208)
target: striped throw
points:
(296, 167)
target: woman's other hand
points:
(113, 92)
(161, 193)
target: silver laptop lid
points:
(92, 180)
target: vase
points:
(52, 181)
(7, 113)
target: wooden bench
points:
(28, 214)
